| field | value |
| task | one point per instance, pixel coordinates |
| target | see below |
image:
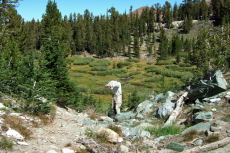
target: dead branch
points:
(177, 110)
(208, 146)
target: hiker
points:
(115, 86)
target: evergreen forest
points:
(35, 55)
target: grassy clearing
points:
(144, 77)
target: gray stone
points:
(176, 146)
(170, 95)
(198, 142)
(165, 109)
(140, 116)
(124, 116)
(133, 133)
(145, 107)
(212, 84)
(221, 123)
(106, 118)
(160, 97)
(215, 129)
(228, 131)
(163, 137)
(215, 100)
(88, 121)
(124, 149)
(198, 107)
(203, 116)
(201, 127)
(103, 123)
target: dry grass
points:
(17, 124)
(116, 129)
(48, 119)
(213, 138)
(190, 135)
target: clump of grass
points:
(17, 124)
(226, 118)
(89, 132)
(103, 137)
(168, 130)
(116, 129)
(190, 135)
(5, 143)
(213, 138)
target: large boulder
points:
(124, 116)
(203, 116)
(145, 107)
(201, 127)
(133, 133)
(165, 109)
(212, 84)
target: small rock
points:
(198, 142)
(176, 146)
(214, 129)
(124, 149)
(14, 134)
(51, 151)
(22, 143)
(67, 150)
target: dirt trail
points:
(62, 132)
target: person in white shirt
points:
(115, 86)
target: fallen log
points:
(177, 110)
(208, 146)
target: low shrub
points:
(168, 130)
(123, 64)
(99, 68)
(164, 62)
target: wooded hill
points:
(32, 58)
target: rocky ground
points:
(86, 132)
(66, 134)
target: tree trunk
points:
(209, 146)
(177, 110)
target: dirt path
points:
(63, 132)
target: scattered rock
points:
(176, 146)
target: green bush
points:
(99, 68)
(164, 62)
(152, 69)
(134, 73)
(168, 130)
(172, 66)
(123, 64)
